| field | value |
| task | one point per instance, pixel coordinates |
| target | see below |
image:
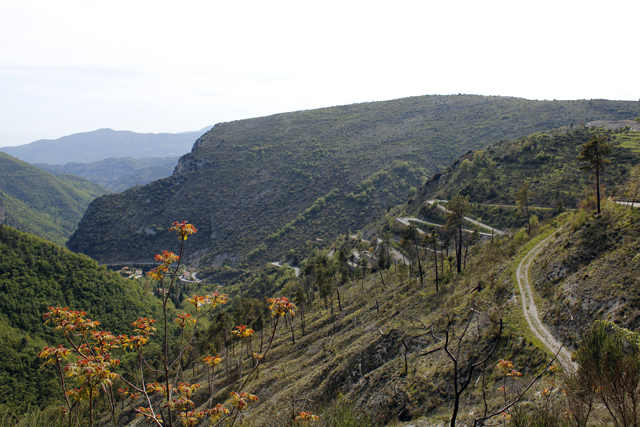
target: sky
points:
(70, 66)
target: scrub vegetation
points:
(363, 320)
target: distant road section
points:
(472, 221)
(407, 220)
(295, 269)
(633, 205)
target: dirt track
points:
(531, 311)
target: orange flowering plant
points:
(211, 362)
(183, 229)
(95, 368)
(306, 417)
(242, 331)
(506, 366)
(281, 306)
(165, 274)
(239, 400)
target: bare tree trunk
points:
(290, 321)
(406, 365)
(419, 263)
(466, 251)
(261, 333)
(459, 250)
(598, 186)
(333, 318)
(435, 256)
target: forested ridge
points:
(41, 203)
(37, 274)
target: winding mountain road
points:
(531, 311)
(472, 221)
(407, 220)
(295, 269)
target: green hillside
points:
(260, 187)
(36, 274)
(389, 320)
(369, 341)
(118, 174)
(382, 349)
(548, 160)
(38, 202)
(593, 268)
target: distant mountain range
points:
(105, 143)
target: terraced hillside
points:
(548, 160)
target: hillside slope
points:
(38, 202)
(249, 184)
(591, 271)
(104, 143)
(548, 160)
(588, 272)
(388, 321)
(37, 274)
(376, 340)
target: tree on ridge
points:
(459, 207)
(594, 153)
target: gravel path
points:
(531, 311)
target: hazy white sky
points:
(166, 66)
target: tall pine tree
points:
(594, 153)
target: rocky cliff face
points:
(190, 163)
